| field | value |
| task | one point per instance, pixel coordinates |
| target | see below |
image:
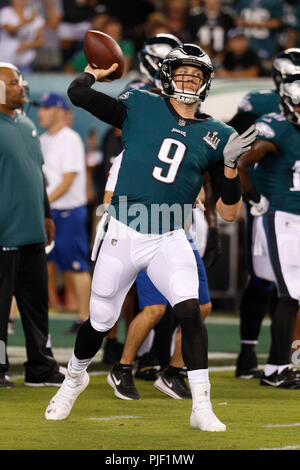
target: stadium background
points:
(225, 280)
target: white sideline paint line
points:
(291, 425)
(281, 448)
(221, 368)
(109, 418)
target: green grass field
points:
(256, 417)
(100, 421)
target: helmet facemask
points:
(289, 92)
(186, 96)
(186, 55)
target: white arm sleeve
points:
(113, 173)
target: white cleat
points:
(61, 404)
(202, 416)
(206, 420)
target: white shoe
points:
(202, 416)
(61, 404)
(205, 419)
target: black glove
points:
(213, 248)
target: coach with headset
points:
(25, 227)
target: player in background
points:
(259, 296)
(136, 237)
(275, 200)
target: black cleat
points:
(288, 378)
(54, 380)
(147, 367)
(5, 382)
(121, 380)
(173, 385)
(147, 373)
(246, 366)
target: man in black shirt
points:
(209, 26)
(240, 61)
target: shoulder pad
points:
(264, 130)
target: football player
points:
(166, 152)
(259, 296)
(275, 203)
(150, 57)
(154, 306)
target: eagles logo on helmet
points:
(153, 51)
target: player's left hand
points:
(237, 145)
(259, 208)
(213, 247)
(50, 231)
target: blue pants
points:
(71, 250)
(149, 295)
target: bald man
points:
(25, 228)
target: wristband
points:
(252, 195)
(231, 190)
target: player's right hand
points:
(101, 75)
(237, 145)
(259, 208)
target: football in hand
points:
(102, 51)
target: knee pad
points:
(293, 288)
(103, 313)
(188, 309)
(88, 341)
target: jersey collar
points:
(183, 121)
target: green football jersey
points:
(137, 85)
(279, 174)
(260, 102)
(164, 159)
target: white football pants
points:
(168, 260)
(276, 251)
